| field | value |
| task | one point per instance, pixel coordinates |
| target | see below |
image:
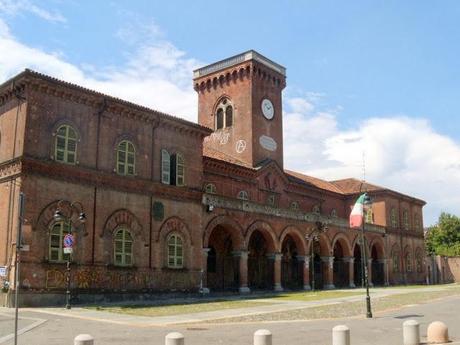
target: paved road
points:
(383, 329)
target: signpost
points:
(69, 241)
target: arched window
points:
(175, 252)
(294, 205)
(224, 114)
(334, 213)
(408, 260)
(406, 220)
(316, 209)
(165, 167)
(418, 262)
(416, 222)
(393, 218)
(56, 250)
(369, 218)
(126, 158)
(396, 261)
(123, 248)
(243, 195)
(210, 188)
(271, 200)
(65, 149)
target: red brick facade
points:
(241, 220)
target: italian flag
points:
(357, 213)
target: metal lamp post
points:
(75, 208)
(314, 236)
(366, 205)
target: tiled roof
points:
(352, 186)
(316, 182)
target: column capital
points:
(327, 259)
(349, 259)
(240, 253)
(275, 256)
(305, 258)
(205, 251)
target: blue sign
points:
(69, 241)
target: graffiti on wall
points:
(94, 279)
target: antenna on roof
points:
(364, 166)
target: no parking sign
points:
(69, 241)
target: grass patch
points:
(314, 295)
(166, 310)
(346, 309)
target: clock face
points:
(267, 109)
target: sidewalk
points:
(274, 306)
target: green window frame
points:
(210, 188)
(408, 260)
(406, 220)
(396, 262)
(243, 195)
(126, 158)
(56, 242)
(369, 216)
(175, 251)
(65, 148)
(393, 219)
(165, 167)
(123, 248)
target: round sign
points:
(69, 241)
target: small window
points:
(419, 263)
(271, 200)
(66, 145)
(126, 158)
(416, 222)
(175, 252)
(56, 239)
(123, 248)
(294, 205)
(210, 188)
(224, 114)
(408, 262)
(165, 167)
(393, 218)
(243, 195)
(406, 220)
(316, 209)
(369, 217)
(334, 213)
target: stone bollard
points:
(83, 339)
(263, 337)
(411, 332)
(174, 338)
(341, 335)
(437, 333)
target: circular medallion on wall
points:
(267, 109)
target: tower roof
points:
(237, 59)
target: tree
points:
(444, 237)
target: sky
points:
(373, 79)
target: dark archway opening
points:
(341, 278)
(260, 268)
(316, 274)
(358, 267)
(291, 267)
(378, 273)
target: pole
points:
(18, 249)
(366, 281)
(67, 304)
(312, 264)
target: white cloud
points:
(15, 7)
(401, 153)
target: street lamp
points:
(366, 206)
(75, 208)
(313, 237)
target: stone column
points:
(369, 272)
(351, 270)
(243, 270)
(305, 260)
(276, 257)
(204, 271)
(386, 271)
(328, 263)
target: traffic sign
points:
(3, 271)
(69, 241)
(68, 250)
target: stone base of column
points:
(244, 289)
(278, 287)
(204, 290)
(307, 287)
(329, 287)
(352, 285)
(371, 285)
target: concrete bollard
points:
(437, 333)
(83, 339)
(411, 332)
(341, 335)
(263, 337)
(174, 338)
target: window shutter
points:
(165, 167)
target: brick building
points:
(171, 204)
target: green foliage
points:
(444, 237)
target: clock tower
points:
(240, 98)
